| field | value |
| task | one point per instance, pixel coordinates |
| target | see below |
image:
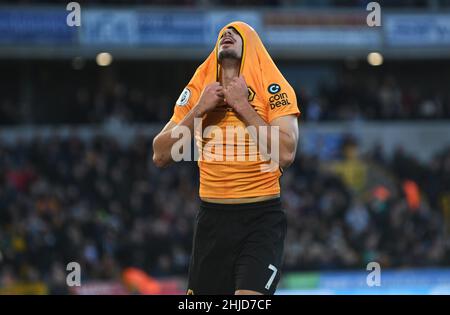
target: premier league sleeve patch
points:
(184, 97)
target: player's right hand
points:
(212, 96)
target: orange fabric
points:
(138, 280)
(381, 193)
(412, 194)
(269, 94)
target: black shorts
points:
(237, 247)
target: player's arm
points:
(287, 134)
(236, 96)
(211, 96)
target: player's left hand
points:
(236, 94)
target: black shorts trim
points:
(266, 205)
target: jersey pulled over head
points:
(268, 93)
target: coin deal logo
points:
(274, 88)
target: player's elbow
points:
(159, 161)
(287, 158)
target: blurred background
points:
(79, 107)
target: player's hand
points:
(211, 97)
(236, 94)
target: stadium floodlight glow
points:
(375, 59)
(104, 59)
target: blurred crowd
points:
(131, 93)
(331, 227)
(99, 205)
(369, 98)
(107, 207)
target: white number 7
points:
(272, 277)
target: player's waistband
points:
(271, 204)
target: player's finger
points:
(215, 84)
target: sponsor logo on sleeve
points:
(184, 97)
(278, 98)
(274, 88)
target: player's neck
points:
(229, 70)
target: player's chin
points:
(228, 54)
